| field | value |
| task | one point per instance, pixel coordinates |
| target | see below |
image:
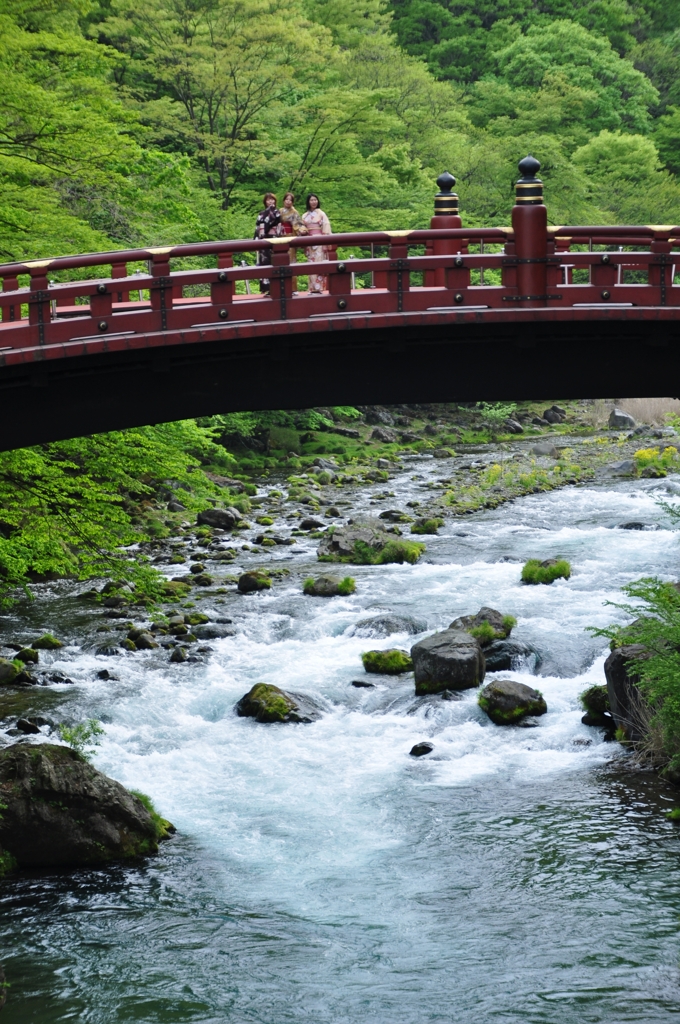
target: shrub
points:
(388, 663)
(545, 572)
(78, 736)
(347, 586)
(485, 633)
(509, 623)
(285, 439)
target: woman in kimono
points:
(267, 225)
(317, 223)
(291, 221)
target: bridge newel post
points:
(162, 289)
(530, 225)
(9, 284)
(222, 290)
(446, 215)
(282, 276)
(120, 270)
(39, 311)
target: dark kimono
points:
(267, 225)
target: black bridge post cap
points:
(446, 201)
(529, 188)
(528, 168)
(446, 182)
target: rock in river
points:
(450, 660)
(250, 582)
(221, 518)
(61, 812)
(628, 709)
(266, 703)
(507, 702)
(420, 749)
(506, 655)
(386, 625)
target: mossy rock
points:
(392, 662)
(428, 526)
(535, 572)
(174, 590)
(264, 521)
(251, 582)
(46, 642)
(507, 702)
(486, 626)
(595, 700)
(196, 619)
(329, 586)
(59, 811)
(28, 655)
(267, 703)
(9, 670)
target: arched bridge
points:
(444, 314)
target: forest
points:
(126, 125)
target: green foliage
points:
(509, 623)
(347, 586)
(7, 865)
(673, 815)
(398, 551)
(652, 458)
(595, 700)
(164, 828)
(656, 627)
(485, 633)
(70, 507)
(535, 572)
(78, 736)
(389, 663)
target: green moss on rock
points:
(46, 642)
(535, 572)
(392, 662)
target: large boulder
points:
(507, 702)
(386, 625)
(251, 582)
(627, 705)
(267, 703)
(620, 420)
(450, 660)
(367, 542)
(487, 625)
(220, 518)
(59, 811)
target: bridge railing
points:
(444, 268)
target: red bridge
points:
(444, 314)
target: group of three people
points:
(274, 223)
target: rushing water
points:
(322, 875)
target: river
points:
(322, 875)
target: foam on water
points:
(331, 823)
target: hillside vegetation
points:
(129, 124)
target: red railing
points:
(446, 268)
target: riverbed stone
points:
(46, 642)
(546, 448)
(386, 625)
(222, 518)
(363, 541)
(251, 582)
(506, 702)
(449, 660)
(59, 811)
(510, 655)
(620, 420)
(627, 705)
(323, 586)
(385, 435)
(420, 749)
(8, 672)
(267, 703)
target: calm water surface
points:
(322, 875)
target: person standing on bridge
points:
(317, 223)
(291, 221)
(267, 225)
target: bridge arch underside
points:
(52, 394)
